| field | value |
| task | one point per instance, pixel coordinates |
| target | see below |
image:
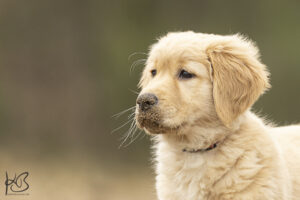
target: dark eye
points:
(185, 75)
(153, 72)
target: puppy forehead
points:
(191, 59)
(166, 55)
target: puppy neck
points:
(201, 139)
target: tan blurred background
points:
(64, 72)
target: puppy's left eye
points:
(153, 72)
(185, 75)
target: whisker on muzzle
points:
(129, 134)
(118, 128)
(123, 112)
(134, 92)
(132, 133)
(133, 136)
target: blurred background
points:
(65, 71)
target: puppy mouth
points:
(156, 129)
(152, 123)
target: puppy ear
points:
(239, 78)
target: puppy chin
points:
(149, 126)
(152, 131)
(155, 128)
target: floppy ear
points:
(239, 78)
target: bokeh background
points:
(65, 71)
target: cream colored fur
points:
(252, 160)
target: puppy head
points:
(192, 79)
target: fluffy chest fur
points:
(230, 171)
(178, 174)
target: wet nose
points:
(146, 101)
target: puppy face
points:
(182, 88)
(193, 79)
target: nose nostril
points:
(146, 101)
(149, 103)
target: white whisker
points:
(131, 115)
(136, 53)
(136, 63)
(122, 126)
(143, 135)
(122, 112)
(133, 136)
(128, 133)
(135, 92)
(132, 133)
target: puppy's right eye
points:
(153, 72)
(185, 75)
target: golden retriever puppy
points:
(196, 94)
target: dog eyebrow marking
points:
(197, 68)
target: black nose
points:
(146, 101)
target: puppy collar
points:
(211, 147)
